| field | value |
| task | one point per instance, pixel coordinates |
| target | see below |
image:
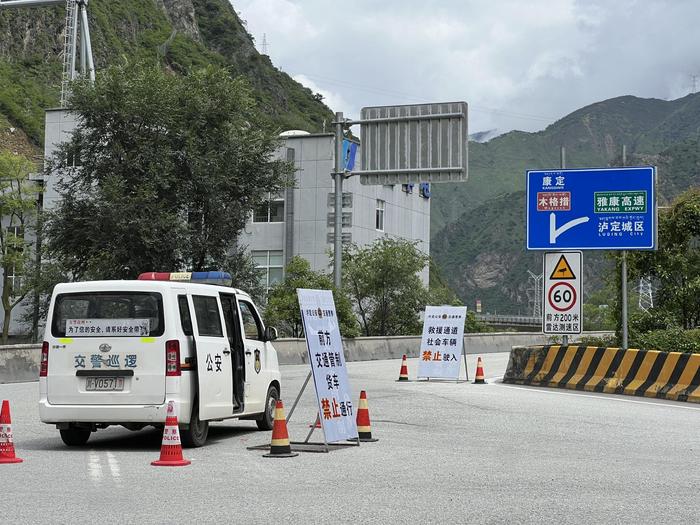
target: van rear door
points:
(107, 347)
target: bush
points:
(605, 340)
(673, 339)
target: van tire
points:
(75, 437)
(195, 435)
(267, 418)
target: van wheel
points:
(75, 437)
(267, 419)
(196, 434)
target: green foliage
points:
(606, 341)
(675, 266)
(137, 30)
(244, 273)
(283, 307)
(171, 168)
(382, 281)
(673, 339)
(473, 326)
(17, 209)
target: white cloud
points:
(531, 62)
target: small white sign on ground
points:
(562, 293)
(442, 342)
(327, 360)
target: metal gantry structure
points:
(646, 294)
(535, 294)
(76, 43)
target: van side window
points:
(252, 326)
(206, 309)
(185, 318)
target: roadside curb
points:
(641, 373)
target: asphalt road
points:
(448, 452)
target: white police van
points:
(115, 353)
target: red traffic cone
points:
(364, 427)
(7, 448)
(403, 373)
(171, 449)
(279, 446)
(479, 377)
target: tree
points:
(283, 307)
(675, 266)
(382, 281)
(17, 209)
(244, 273)
(161, 173)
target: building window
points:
(379, 216)
(271, 262)
(271, 210)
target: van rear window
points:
(111, 314)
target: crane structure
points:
(76, 43)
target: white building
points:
(300, 220)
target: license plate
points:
(104, 384)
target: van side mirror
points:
(270, 333)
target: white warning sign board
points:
(335, 402)
(442, 341)
(562, 293)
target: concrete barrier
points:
(647, 373)
(21, 362)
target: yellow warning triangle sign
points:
(562, 270)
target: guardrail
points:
(509, 320)
(647, 373)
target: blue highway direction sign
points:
(592, 209)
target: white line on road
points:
(94, 467)
(114, 468)
(611, 397)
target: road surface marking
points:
(94, 467)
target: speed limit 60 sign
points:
(562, 293)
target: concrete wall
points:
(21, 362)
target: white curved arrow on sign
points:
(555, 232)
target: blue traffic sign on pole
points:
(592, 209)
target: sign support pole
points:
(338, 223)
(296, 401)
(562, 163)
(624, 274)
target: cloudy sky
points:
(520, 64)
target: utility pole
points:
(646, 294)
(338, 176)
(624, 274)
(562, 165)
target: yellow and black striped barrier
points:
(648, 373)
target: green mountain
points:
(478, 236)
(180, 33)
(592, 136)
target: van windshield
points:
(110, 314)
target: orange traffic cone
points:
(479, 377)
(171, 449)
(403, 373)
(364, 427)
(279, 446)
(7, 448)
